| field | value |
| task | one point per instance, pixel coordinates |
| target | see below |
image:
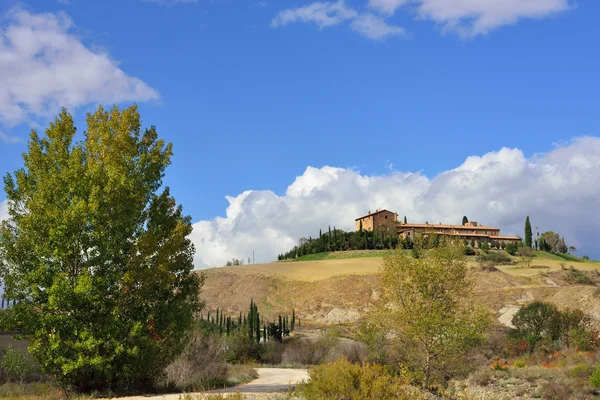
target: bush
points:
(343, 380)
(556, 391)
(595, 378)
(532, 321)
(511, 249)
(15, 366)
(271, 352)
(495, 258)
(580, 277)
(469, 251)
(241, 349)
(200, 366)
(299, 352)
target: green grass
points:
(340, 255)
(562, 257)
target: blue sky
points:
(251, 93)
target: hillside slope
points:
(338, 291)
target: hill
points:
(337, 290)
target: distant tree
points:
(526, 256)
(528, 233)
(360, 229)
(552, 242)
(405, 220)
(465, 220)
(321, 233)
(423, 307)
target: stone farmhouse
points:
(471, 231)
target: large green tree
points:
(426, 306)
(97, 253)
(528, 233)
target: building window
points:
(386, 217)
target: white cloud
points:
(559, 190)
(375, 28)
(9, 139)
(470, 18)
(323, 14)
(3, 210)
(44, 66)
(330, 14)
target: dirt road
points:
(270, 380)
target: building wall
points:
(384, 218)
(367, 223)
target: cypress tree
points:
(280, 326)
(360, 229)
(320, 234)
(293, 319)
(465, 220)
(405, 220)
(528, 233)
(265, 333)
(258, 329)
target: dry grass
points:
(314, 270)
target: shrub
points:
(483, 377)
(241, 348)
(495, 258)
(301, 352)
(520, 364)
(344, 380)
(271, 352)
(532, 321)
(595, 378)
(511, 249)
(200, 366)
(580, 277)
(469, 251)
(16, 367)
(556, 391)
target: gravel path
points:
(270, 380)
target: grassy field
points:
(314, 267)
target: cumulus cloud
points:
(559, 190)
(9, 139)
(475, 17)
(45, 66)
(330, 14)
(375, 28)
(322, 14)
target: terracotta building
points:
(471, 231)
(379, 218)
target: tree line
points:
(339, 240)
(252, 323)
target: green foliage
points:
(542, 323)
(343, 380)
(511, 249)
(336, 240)
(528, 234)
(494, 258)
(97, 254)
(465, 220)
(373, 337)
(595, 378)
(533, 321)
(241, 348)
(469, 251)
(423, 305)
(552, 242)
(15, 365)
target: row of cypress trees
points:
(252, 324)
